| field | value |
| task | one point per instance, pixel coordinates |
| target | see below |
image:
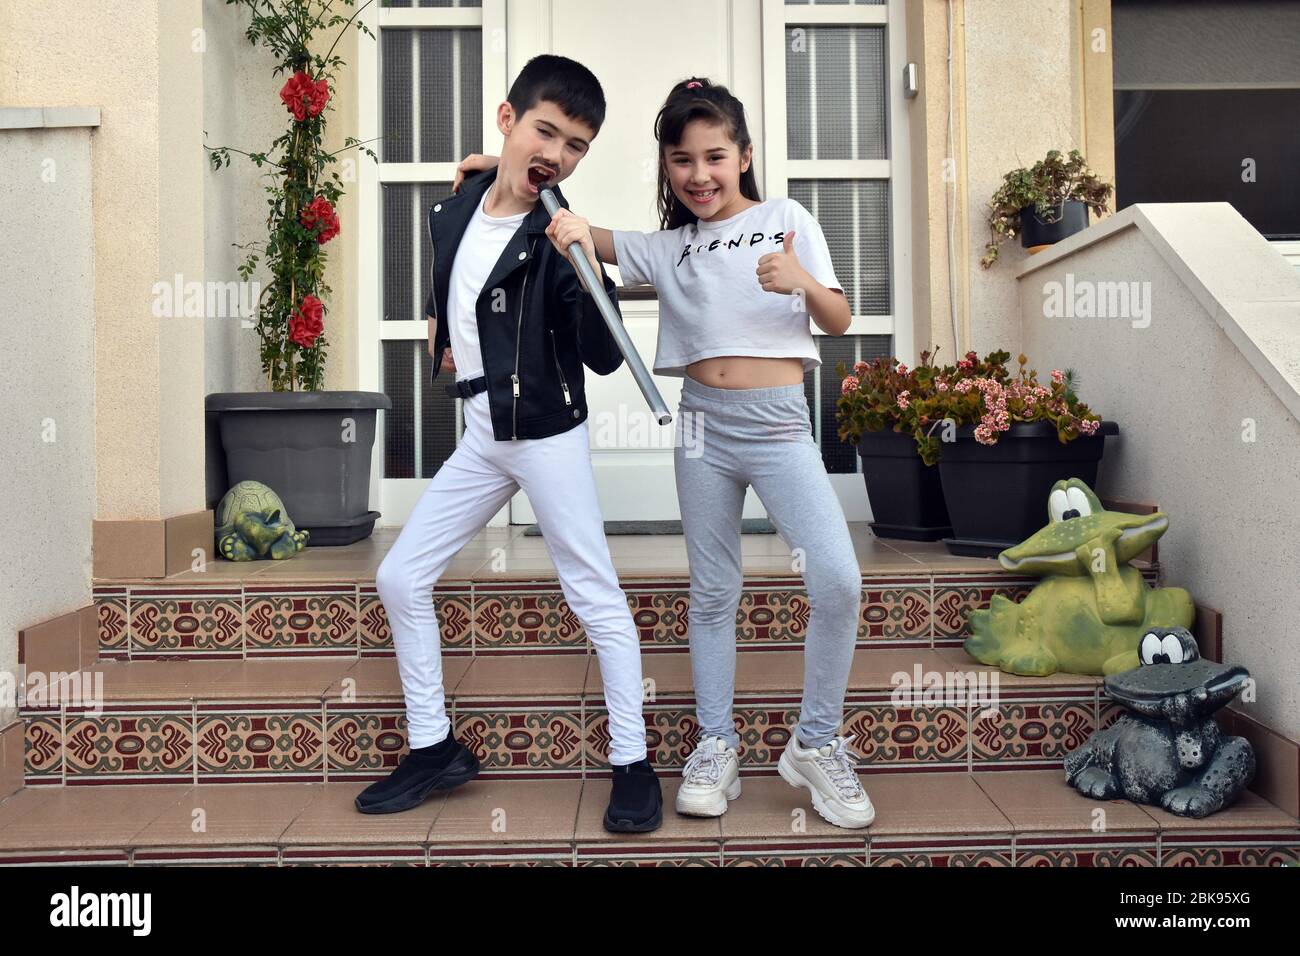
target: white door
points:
(826, 117)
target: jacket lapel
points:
(449, 219)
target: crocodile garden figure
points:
(1167, 750)
(252, 524)
(1091, 609)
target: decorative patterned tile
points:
(1033, 731)
(918, 851)
(784, 853)
(525, 617)
(453, 605)
(770, 614)
(956, 595)
(929, 737)
(560, 854)
(302, 618)
(377, 855)
(43, 749)
(660, 611)
(243, 743)
(363, 740)
(1209, 848)
(671, 732)
(87, 857)
(113, 623)
(542, 739)
(193, 622)
(1126, 849)
(894, 612)
(637, 854)
(207, 856)
(140, 743)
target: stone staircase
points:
(245, 706)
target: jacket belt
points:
(467, 388)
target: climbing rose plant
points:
(302, 187)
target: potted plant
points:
(312, 447)
(1006, 439)
(1044, 204)
(877, 412)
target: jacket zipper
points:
(563, 384)
(433, 286)
(519, 329)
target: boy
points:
(521, 326)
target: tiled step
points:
(1015, 818)
(902, 605)
(200, 722)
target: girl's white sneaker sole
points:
(827, 810)
(712, 804)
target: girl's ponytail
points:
(691, 99)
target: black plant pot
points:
(997, 494)
(1034, 232)
(906, 494)
(311, 448)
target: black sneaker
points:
(417, 776)
(636, 804)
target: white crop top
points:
(710, 300)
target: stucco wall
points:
(1187, 397)
(47, 367)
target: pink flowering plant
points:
(976, 391)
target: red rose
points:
(319, 217)
(306, 325)
(303, 97)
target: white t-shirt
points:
(481, 246)
(710, 300)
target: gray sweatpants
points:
(761, 437)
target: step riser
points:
(348, 620)
(274, 743)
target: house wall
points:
(47, 367)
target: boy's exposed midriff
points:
(747, 371)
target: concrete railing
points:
(1183, 325)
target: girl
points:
(738, 279)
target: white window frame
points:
(777, 16)
(397, 496)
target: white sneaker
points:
(829, 773)
(710, 778)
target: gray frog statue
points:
(1167, 750)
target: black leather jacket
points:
(535, 347)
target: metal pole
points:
(579, 260)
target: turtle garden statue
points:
(252, 524)
(1166, 750)
(1092, 607)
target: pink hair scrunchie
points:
(693, 84)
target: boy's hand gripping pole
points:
(597, 288)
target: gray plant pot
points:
(312, 448)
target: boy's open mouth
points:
(538, 176)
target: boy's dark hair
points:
(566, 83)
(714, 104)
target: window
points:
(1209, 91)
(431, 70)
(836, 150)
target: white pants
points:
(472, 485)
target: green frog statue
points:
(253, 525)
(1090, 611)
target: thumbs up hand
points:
(781, 271)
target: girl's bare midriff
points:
(747, 371)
